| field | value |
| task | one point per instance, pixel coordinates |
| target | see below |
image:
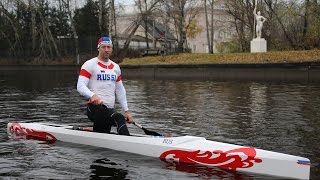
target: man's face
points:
(105, 50)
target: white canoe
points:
(183, 149)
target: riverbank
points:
(192, 58)
(230, 58)
(302, 72)
(271, 66)
(302, 66)
(299, 71)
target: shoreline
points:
(302, 72)
(293, 71)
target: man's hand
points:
(95, 100)
(128, 117)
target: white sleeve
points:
(82, 87)
(121, 95)
(83, 80)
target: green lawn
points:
(198, 58)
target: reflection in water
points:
(206, 172)
(105, 169)
(38, 80)
(282, 117)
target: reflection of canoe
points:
(186, 149)
(106, 168)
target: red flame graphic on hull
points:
(232, 159)
(18, 130)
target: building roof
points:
(160, 30)
(154, 29)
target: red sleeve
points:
(85, 73)
(119, 78)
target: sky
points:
(116, 2)
(125, 2)
(128, 4)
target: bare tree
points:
(183, 13)
(137, 23)
(33, 24)
(210, 31)
(176, 10)
(73, 28)
(102, 4)
(48, 34)
(272, 7)
(15, 43)
(111, 17)
(311, 24)
(291, 24)
(143, 8)
(241, 12)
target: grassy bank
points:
(193, 58)
(222, 58)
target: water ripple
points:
(281, 117)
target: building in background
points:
(161, 36)
(223, 29)
(158, 38)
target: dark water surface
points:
(281, 117)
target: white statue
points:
(260, 20)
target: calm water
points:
(281, 117)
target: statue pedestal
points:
(258, 45)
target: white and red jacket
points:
(104, 80)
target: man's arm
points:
(82, 85)
(122, 98)
(121, 95)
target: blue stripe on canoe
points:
(302, 162)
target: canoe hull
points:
(184, 149)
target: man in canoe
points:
(100, 82)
